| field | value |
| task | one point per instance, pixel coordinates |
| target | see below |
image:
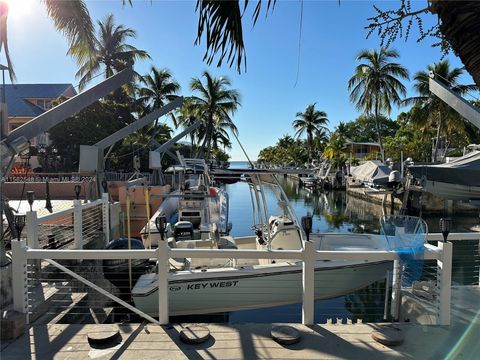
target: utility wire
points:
(299, 42)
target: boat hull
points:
(452, 191)
(256, 289)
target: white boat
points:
(192, 208)
(201, 286)
(309, 180)
(215, 285)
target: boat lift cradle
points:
(92, 157)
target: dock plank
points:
(252, 341)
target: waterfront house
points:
(27, 101)
(362, 150)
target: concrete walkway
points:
(461, 340)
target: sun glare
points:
(18, 9)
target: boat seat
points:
(177, 263)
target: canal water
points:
(336, 212)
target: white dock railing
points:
(442, 254)
(69, 228)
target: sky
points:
(287, 69)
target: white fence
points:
(441, 254)
(69, 228)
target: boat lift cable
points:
(244, 152)
(455, 84)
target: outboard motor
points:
(394, 179)
(116, 270)
(183, 231)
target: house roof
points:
(16, 95)
(362, 143)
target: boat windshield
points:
(404, 233)
(260, 184)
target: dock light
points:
(30, 198)
(19, 222)
(161, 224)
(445, 227)
(307, 223)
(77, 190)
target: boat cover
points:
(462, 171)
(372, 172)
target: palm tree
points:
(429, 111)
(376, 84)
(110, 51)
(335, 151)
(69, 17)
(311, 121)
(320, 140)
(215, 104)
(342, 130)
(285, 141)
(159, 86)
(186, 116)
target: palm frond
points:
(72, 18)
(4, 39)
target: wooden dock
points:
(253, 341)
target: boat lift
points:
(455, 101)
(92, 157)
(17, 141)
(470, 112)
(156, 156)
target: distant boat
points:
(192, 208)
(456, 180)
(372, 173)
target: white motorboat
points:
(201, 286)
(192, 208)
(309, 180)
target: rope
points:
(147, 205)
(455, 84)
(299, 43)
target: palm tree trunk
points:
(377, 126)
(437, 139)
(209, 137)
(309, 140)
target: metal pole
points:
(163, 268)
(308, 275)
(3, 117)
(77, 224)
(32, 229)
(387, 290)
(444, 282)
(106, 217)
(396, 289)
(19, 276)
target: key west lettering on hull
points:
(217, 284)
